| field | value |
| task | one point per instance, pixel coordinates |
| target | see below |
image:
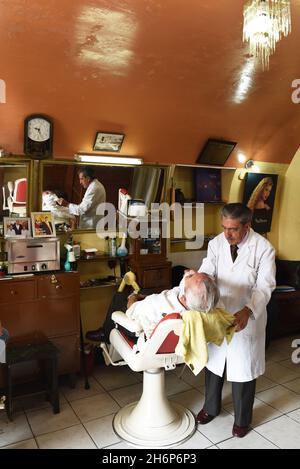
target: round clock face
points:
(38, 136)
(38, 129)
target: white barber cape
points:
(149, 312)
(249, 281)
(86, 210)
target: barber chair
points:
(153, 421)
(15, 200)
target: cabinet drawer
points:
(20, 318)
(156, 278)
(58, 285)
(57, 318)
(15, 292)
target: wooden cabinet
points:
(47, 304)
(148, 261)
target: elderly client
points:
(196, 292)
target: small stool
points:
(38, 349)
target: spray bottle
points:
(70, 263)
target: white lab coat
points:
(249, 281)
(86, 210)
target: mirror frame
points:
(44, 163)
(16, 160)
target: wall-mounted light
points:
(241, 157)
(108, 159)
(250, 165)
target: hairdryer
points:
(129, 279)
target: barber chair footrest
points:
(174, 433)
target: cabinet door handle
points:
(53, 279)
(13, 292)
(58, 287)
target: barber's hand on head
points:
(242, 318)
(62, 202)
(189, 272)
(133, 298)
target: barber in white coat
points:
(94, 195)
(245, 282)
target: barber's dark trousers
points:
(242, 393)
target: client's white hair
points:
(203, 297)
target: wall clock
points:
(38, 136)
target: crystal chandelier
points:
(265, 23)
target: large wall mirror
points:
(60, 180)
(14, 188)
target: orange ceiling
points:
(166, 73)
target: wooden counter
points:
(48, 304)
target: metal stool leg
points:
(54, 386)
(83, 359)
(9, 399)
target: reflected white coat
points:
(86, 210)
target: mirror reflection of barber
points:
(95, 194)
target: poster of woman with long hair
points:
(259, 196)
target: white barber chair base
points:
(153, 421)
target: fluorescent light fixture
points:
(108, 159)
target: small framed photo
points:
(42, 224)
(108, 142)
(17, 227)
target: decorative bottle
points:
(122, 249)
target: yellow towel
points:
(198, 329)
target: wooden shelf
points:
(112, 284)
(193, 204)
(102, 257)
(205, 166)
(206, 239)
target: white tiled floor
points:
(85, 419)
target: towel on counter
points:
(198, 329)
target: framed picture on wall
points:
(108, 142)
(42, 224)
(17, 227)
(259, 196)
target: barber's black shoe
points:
(96, 336)
(203, 417)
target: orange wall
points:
(167, 77)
